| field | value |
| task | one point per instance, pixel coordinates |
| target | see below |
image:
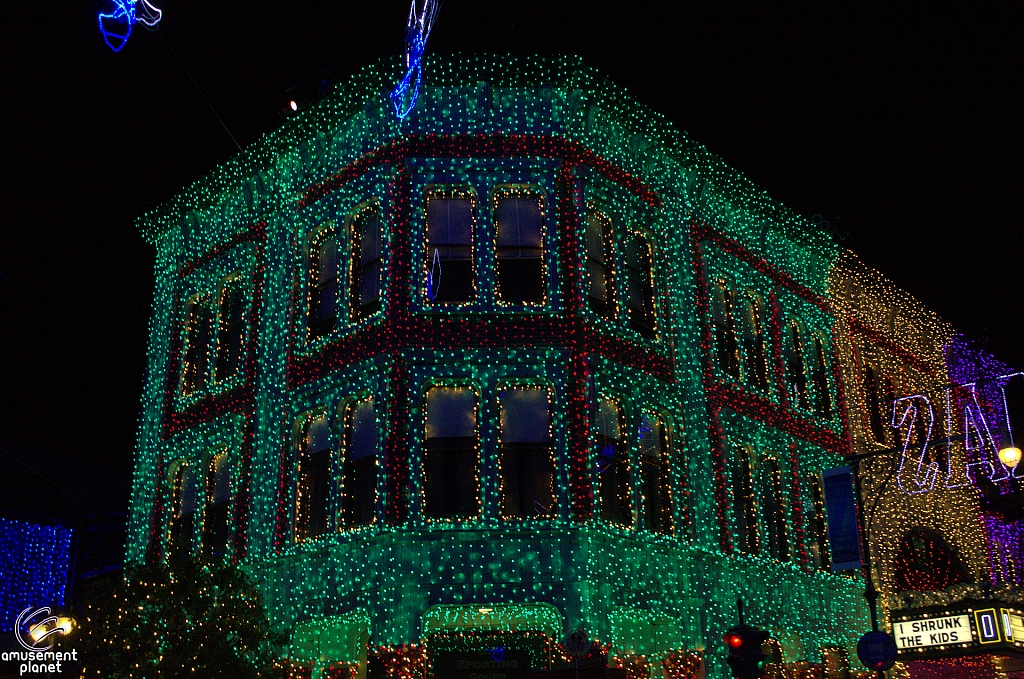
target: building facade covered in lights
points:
(528, 361)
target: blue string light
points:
(34, 562)
(116, 27)
(405, 94)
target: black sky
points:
(901, 126)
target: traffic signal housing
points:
(745, 657)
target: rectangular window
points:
(198, 329)
(323, 285)
(183, 506)
(450, 466)
(519, 250)
(367, 262)
(600, 263)
(450, 273)
(526, 454)
(313, 497)
(641, 286)
(230, 341)
(359, 476)
(613, 464)
(216, 516)
(656, 478)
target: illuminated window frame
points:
(346, 410)
(236, 282)
(300, 429)
(668, 481)
(461, 191)
(175, 480)
(207, 502)
(646, 238)
(310, 276)
(359, 313)
(189, 336)
(477, 449)
(533, 383)
(607, 309)
(498, 193)
(623, 456)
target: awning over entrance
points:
(538, 617)
(330, 639)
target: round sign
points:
(577, 644)
(877, 650)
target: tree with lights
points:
(184, 618)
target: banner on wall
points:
(841, 515)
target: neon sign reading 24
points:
(915, 416)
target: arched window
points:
(451, 486)
(640, 283)
(744, 505)
(817, 530)
(183, 506)
(359, 472)
(526, 453)
(322, 280)
(519, 249)
(231, 336)
(754, 341)
(873, 404)
(822, 396)
(450, 271)
(600, 263)
(775, 513)
(215, 516)
(925, 562)
(198, 328)
(313, 498)
(724, 322)
(613, 464)
(654, 456)
(367, 263)
(796, 372)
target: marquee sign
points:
(964, 628)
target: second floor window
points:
(600, 264)
(822, 397)
(723, 321)
(796, 371)
(449, 253)
(198, 331)
(640, 281)
(775, 513)
(359, 473)
(451, 458)
(231, 334)
(367, 263)
(754, 341)
(656, 476)
(818, 544)
(613, 464)
(323, 284)
(526, 454)
(216, 515)
(519, 249)
(312, 501)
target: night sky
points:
(903, 130)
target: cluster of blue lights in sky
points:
(116, 26)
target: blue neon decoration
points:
(116, 27)
(34, 563)
(404, 96)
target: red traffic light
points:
(733, 640)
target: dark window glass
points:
(819, 537)
(796, 372)
(359, 479)
(215, 519)
(874, 404)
(724, 322)
(314, 476)
(367, 263)
(323, 285)
(656, 479)
(754, 342)
(519, 250)
(451, 486)
(775, 514)
(230, 342)
(613, 464)
(183, 507)
(526, 454)
(450, 275)
(641, 286)
(198, 329)
(744, 506)
(600, 263)
(822, 397)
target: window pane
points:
(323, 286)
(608, 424)
(369, 284)
(229, 344)
(359, 484)
(221, 480)
(189, 491)
(613, 466)
(519, 222)
(525, 415)
(451, 412)
(449, 221)
(369, 236)
(318, 435)
(327, 258)
(450, 249)
(198, 330)
(364, 431)
(365, 285)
